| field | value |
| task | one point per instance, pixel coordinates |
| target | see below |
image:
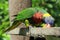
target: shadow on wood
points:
(23, 31)
(38, 38)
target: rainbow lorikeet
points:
(36, 14)
(23, 16)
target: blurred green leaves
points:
(4, 19)
(51, 6)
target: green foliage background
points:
(52, 6)
(4, 19)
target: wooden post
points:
(19, 37)
(17, 5)
(14, 7)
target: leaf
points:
(49, 5)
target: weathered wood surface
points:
(45, 31)
(36, 31)
(19, 37)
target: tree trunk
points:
(17, 5)
(14, 7)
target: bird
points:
(24, 15)
(35, 14)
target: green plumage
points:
(23, 15)
(27, 13)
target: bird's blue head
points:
(49, 20)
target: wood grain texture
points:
(36, 31)
(19, 37)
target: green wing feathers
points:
(27, 13)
